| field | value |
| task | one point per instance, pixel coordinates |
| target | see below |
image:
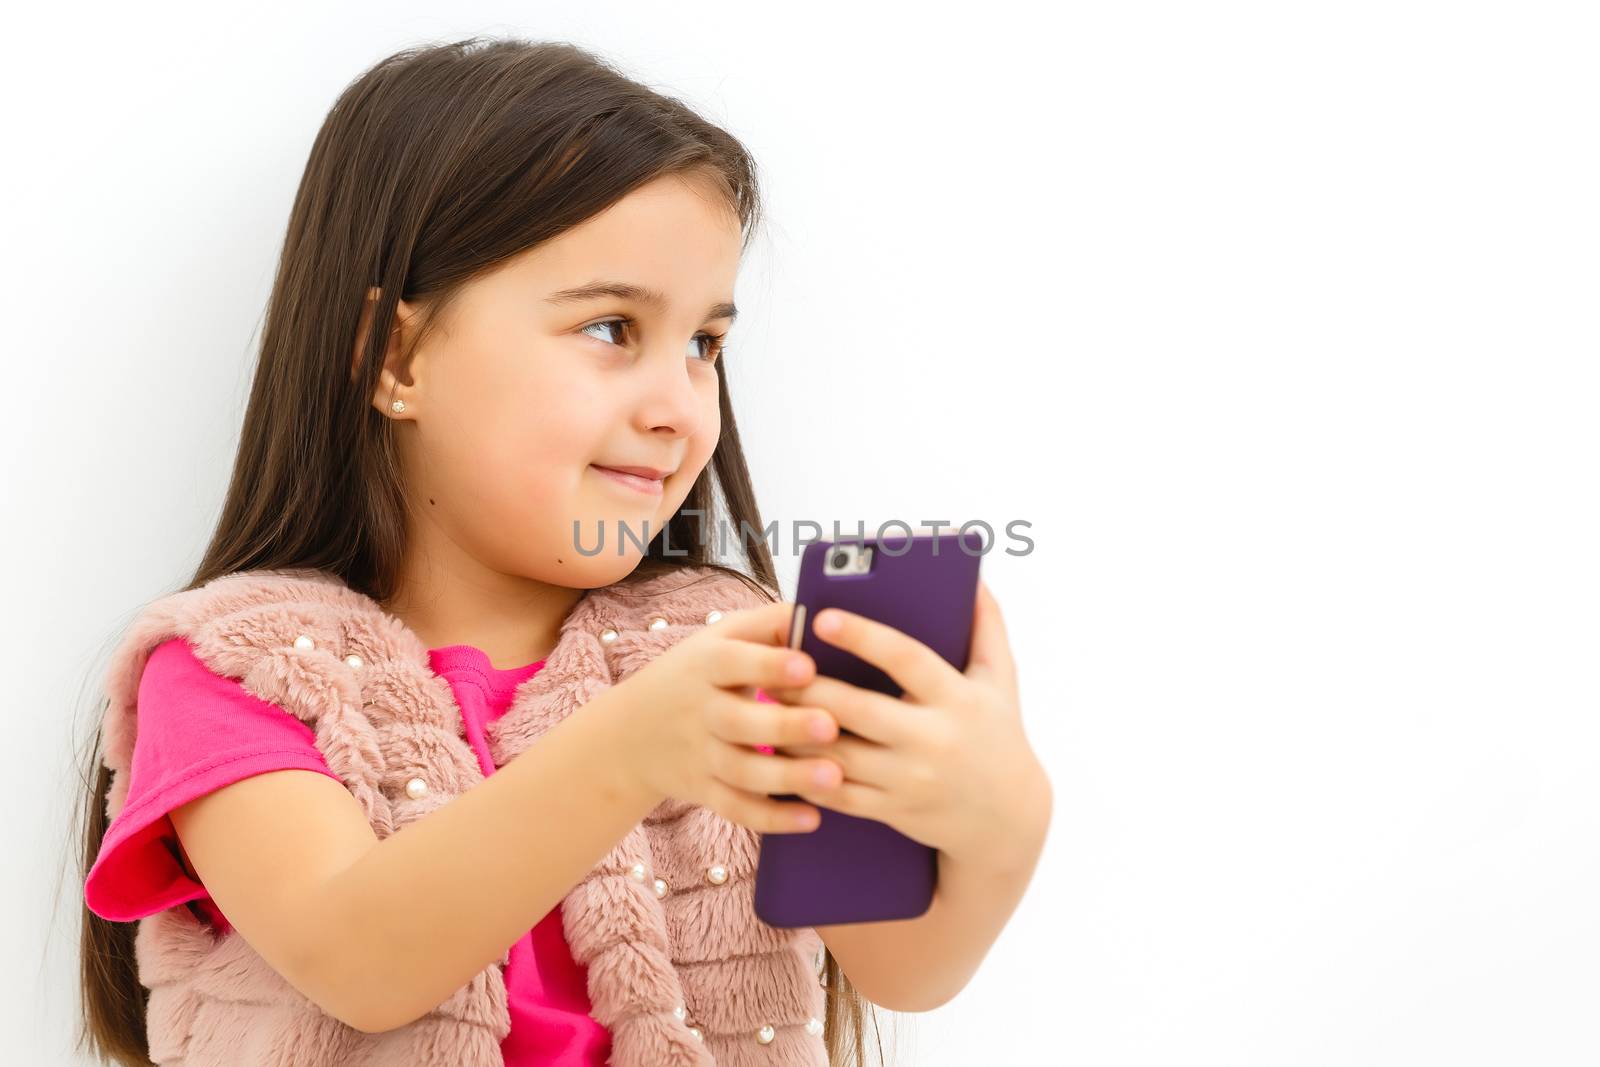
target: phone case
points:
(850, 869)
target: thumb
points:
(766, 624)
(991, 649)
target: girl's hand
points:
(691, 718)
(946, 763)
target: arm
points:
(375, 932)
(915, 965)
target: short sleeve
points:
(197, 731)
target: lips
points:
(641, 479)
(644, 472)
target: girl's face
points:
(528, 389)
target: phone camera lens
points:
(841, 559)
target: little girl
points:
(461, 587)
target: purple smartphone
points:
(850, 869)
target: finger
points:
(749, 665)
(991, 648)
(863, 762)
(866, 713)
(766, 624)
(851, 798)
(759, 772)
(918, 670)
(761, 813)
(754, 722)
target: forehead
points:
(679, 236)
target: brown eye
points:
(715, 346)
(620, 325)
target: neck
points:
(515, 621)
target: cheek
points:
(507, 449)
(510, 443)
(704, 441)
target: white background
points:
(1277, 321)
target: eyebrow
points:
(629, 291)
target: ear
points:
(389, 387)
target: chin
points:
(605, 569)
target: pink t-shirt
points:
(198, 731)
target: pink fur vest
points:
(680, 969)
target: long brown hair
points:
(437, 164)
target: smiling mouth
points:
(635, 482)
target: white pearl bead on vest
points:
(637, 872)
(681, 1011)
(416, 789)
(607, 636)
(695, 1030)
(304, 643)
(713, 617)
(658, 623)
(717, 875)
(766, 1034)
(813, 1026)
(354, 661)
(661, 888)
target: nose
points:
(671, 399)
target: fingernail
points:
(821, 728)
(796, 668)
(827, 623)
(822, 776)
